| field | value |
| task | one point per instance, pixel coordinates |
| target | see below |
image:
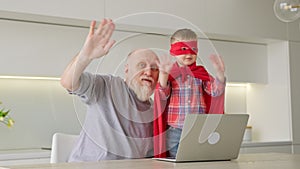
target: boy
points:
(184, 88)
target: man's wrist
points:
(83, 60)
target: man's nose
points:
(148, 71)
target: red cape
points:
(213, 106)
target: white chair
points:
(62, 145)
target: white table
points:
(245, 161)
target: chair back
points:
(62, 145)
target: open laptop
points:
(210, 137)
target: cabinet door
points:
(245, 62)
(33, 49)
(295, 92)
(233, 17)
(88, 9)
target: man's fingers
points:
(107, 32)
(101, 25)
(109, 45)
(92, 27)
(111, 29)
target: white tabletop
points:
(245, 161)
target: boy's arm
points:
(165, 65)
(216, 87)
(163, 79)
(219, 66)
(164, 86)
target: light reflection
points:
(29, 78)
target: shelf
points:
(265, 144)
(24, 154)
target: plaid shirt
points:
(187, 97)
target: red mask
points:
(182, 48)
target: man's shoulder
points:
(112, 80)
(108, 77)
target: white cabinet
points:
(24, 157)
(295, 92)
(266, 147)
(88, 9)
(253, 18)
(39, 49)
(231, 17)
(245, 62)
(34, 49)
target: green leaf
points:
(4, 113)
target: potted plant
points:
(5, 118)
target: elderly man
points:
(118, 123)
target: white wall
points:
(269, 105)
(236, 99)
(39, 108)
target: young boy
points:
(184, 88)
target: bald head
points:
(141, 53)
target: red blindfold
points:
(182, 48)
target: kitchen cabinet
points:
(74, 9)
(37, 49)
(244, 62)
(41, 49)
(295, 93)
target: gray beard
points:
(143, 93)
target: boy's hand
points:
(219, 66)
(165, 63)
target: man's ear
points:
(126, 71)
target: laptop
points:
(210, 137)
